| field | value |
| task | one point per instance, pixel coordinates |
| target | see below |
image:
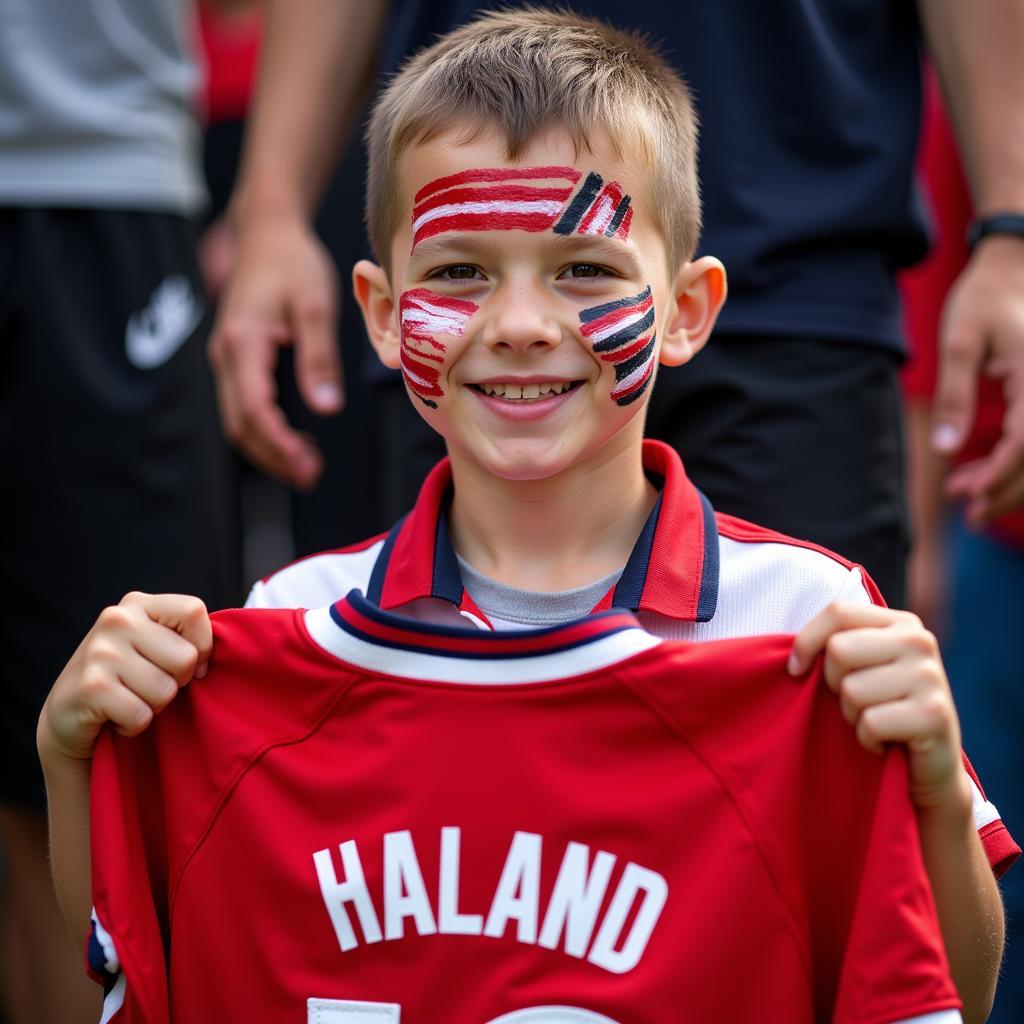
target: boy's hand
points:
(886, 668)
(130, 665)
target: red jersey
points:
(359, 818)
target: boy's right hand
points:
(130, 665)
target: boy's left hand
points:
(887, 670)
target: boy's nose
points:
(519, 320)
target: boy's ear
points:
(373, 293)
(697, 293)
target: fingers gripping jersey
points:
(355, 818)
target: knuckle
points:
(115, 616)
(837, 648)
(94, 680)
(193, 609)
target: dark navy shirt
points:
(809, 116)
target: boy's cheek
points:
(425, 317)
(622, 333)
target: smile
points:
(526, 392)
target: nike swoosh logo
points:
(153, 334)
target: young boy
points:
(533, 206)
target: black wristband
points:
(997, 224)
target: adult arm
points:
(316, 69)
(978, 50)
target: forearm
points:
(317, 65)
(978, 50)
(67, 796)
(967, 899)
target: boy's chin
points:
(516, 459)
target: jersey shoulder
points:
(772, 583)
(319, 579)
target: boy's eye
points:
(460, 272)
(584, 270)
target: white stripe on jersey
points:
(537, 668)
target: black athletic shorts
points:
(115, 474)
(800, 435)
(795, 434)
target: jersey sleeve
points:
(126, 950)
(895, 965)
(875, 938)
(1000, 846)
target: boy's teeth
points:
(518, 392)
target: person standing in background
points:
(115, 471)
(809, 199)
(967, 584)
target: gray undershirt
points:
(512, 608)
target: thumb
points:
(960, 359)
(317, 360)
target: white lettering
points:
(576, 899)
(405, 895)
(635, 881)
(449, 920)
(518, 890)
(353, 890)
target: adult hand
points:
(983, 332)
(283, 291)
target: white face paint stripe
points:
(619, 325)
(548, 206)
(637, 375)
(602, 218)
(419, 306)
(433, 324)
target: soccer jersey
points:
(693, 574)
(358, 818)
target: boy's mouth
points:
(527, 392)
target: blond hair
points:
(525, 70)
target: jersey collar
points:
(361, 634)
(672, 570)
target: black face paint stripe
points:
(579, 205)
(595, 312)
(627, 366)
(620, 212)
(630, 399)
(630, 333)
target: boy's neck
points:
(553, 534)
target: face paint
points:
(620, 333)
(423, 314)
(509, 199)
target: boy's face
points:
(529, 301)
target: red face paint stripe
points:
(623, 231)
(433, 356)
(616, 316)
(605, 203)
(633, 389)
(463, 306)
(486, 222)
(490, 174)
(623, 354)
(500, 193)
